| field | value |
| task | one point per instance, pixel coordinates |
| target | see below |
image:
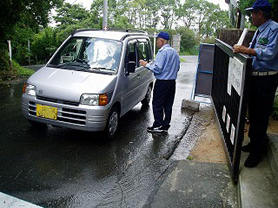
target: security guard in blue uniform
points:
(264, 79)
(165, 69)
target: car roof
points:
(108, 34)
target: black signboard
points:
(203, 79)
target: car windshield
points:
(89, 54)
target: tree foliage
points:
(71, 17)
(188, 38)
(187, 12)
(70, 14)
(206, 17)
(27, 21)
(44, 44)
(31, 13)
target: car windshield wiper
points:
(77, 63)
(103, 70)
(83, 61)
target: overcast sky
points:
(87, 3)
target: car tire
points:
(148, 96)
(112, 123)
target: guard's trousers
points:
(163, 99)
(261, 97)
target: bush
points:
(17, 71)
(191, 51)
(188, 40)
(22, 71)
(4, 58)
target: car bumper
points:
(70, 115)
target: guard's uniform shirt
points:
(266, 47)
(166, 65)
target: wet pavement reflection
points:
(59, 167)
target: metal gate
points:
(231, 77)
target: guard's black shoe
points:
(247, 148)
(158, 129)
(252, 160)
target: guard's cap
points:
(163, 35)
(263, 5)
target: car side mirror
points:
(131, 65)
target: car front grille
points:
(53, 100)
(66, 115)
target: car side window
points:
(144, 50)
(131, 53)
(138, 49)
(149, 51)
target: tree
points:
(204, 13)
(207, 17)
(70, 14)
(187, 12)
(152, 15)
(188, 38)
(117, 17)
(71, 17)
(22, 35)
(216, 20)
(32, 13)
(96, 12)
(44, 45)
(168, 11)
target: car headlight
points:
(29, 89)
(94, 99)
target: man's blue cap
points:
(163, 35)
(263, 5)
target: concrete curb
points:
(272, 156)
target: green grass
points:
(22, 71)
(182, 60)
(18, 72)
(189, 158)
(190, 52)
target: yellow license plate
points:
(47, 111)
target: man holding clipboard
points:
(264, 79)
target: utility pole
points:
(29, 51)
(154, 42)
(10, 54)
(105, 11)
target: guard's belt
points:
(264, 73)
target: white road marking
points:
(7, 201)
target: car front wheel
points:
(112, 123)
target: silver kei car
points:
(92, 80)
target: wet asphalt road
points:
(58, 167)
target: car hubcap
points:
(113, 123)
